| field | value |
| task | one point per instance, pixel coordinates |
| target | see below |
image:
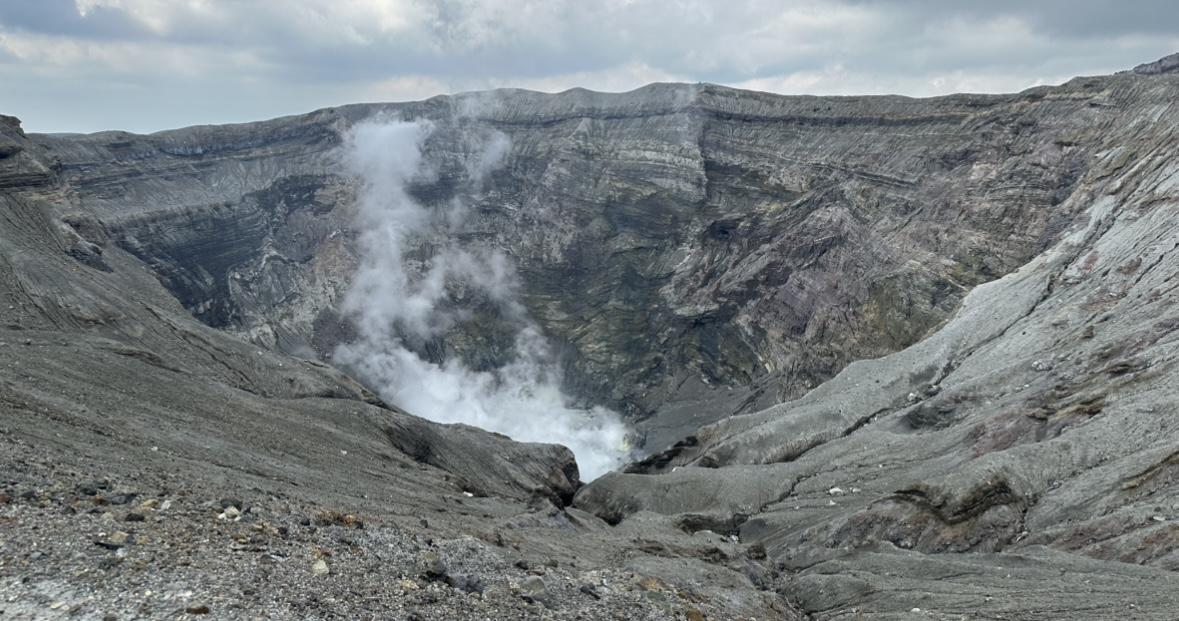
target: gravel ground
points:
(75, 545)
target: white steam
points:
(390, 297)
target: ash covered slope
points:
(671, 240)
(151, 466)
(1018, 463)
(93, 338)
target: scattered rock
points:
(467, 583)
(320, 568)
(197, 610)
(409, 585)
(434, 568)
(226, 503)
(533, 589)
(336, 518)
(134, 517)
(114, 541)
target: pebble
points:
(115, 541)
(409, 585)
(92, 488)
(147, 505)
(468, 583)
(197, 610)
(435, 567)
(320, 568)
(533, 588)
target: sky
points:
(146, 65)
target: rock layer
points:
(698, 251)
(718, 241)
(1034, 430)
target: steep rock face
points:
(128, 428)
(1035, 430)
(671, 240)
(1016, 463)
(93, 345)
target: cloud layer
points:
(149, 64)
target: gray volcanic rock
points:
(236, 475)
(1031, 431)
(987, 282)
(728, 249)
(1166, 64)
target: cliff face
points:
(1029, 438)
(696, 251)
(673, 240)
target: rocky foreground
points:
(1017, 457)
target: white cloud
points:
(299, 54)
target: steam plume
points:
(389, 300)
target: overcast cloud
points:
(145, 65)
